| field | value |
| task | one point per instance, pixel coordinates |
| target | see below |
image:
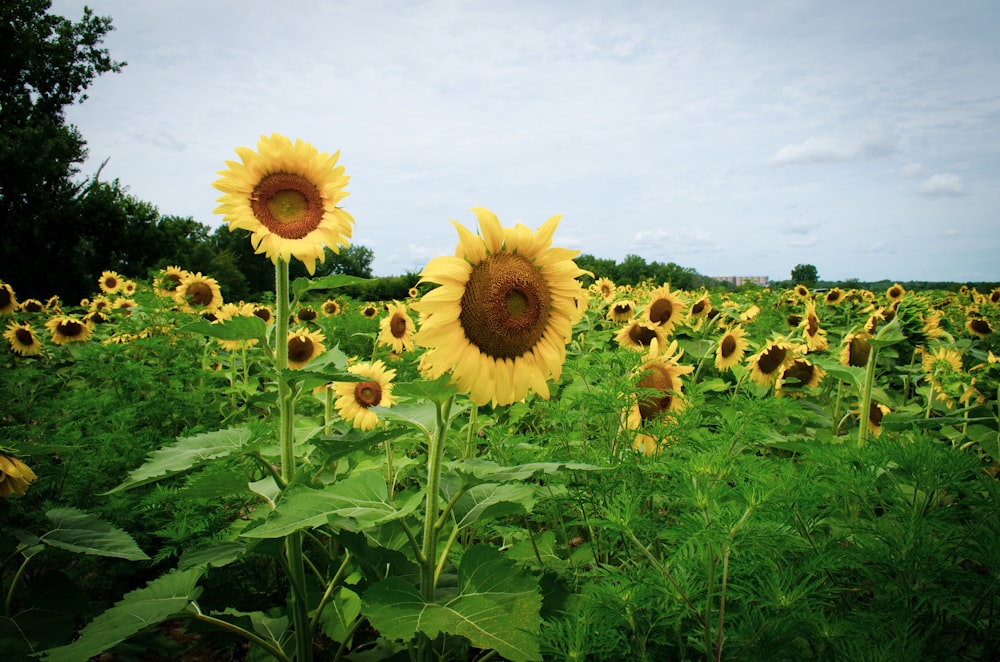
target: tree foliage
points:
(805, 274)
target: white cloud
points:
(826, 149)
(942, 184)
(650, 242)
(912, 170)
(800, 228)
(803, 242)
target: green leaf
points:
(355, 503)
(497, 607)
(78, 531)
(420, 414)
(477, 470)
(853, 375)
(158, 600)
(271, 628)
(890, 334)
(216, 556)
(332, 282)
(340, 614)
(186, 453)
(237, 328)
(493, 500)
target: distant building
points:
(741, 280)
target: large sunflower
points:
(665, 309)
(732, 346)
(286, 195)
(303, 347)
(767, 365)
(65, 329)
(23, 340)
(503, 311)
(200, 294)
(855, 349)
(8, 301)
(110, 282)
(396, 329)
(355, 399)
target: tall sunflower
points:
(199, 293)
(855, 349)
(732, 346)
(396, 329)
(286, 195)
(355, 399)
(8, 301)
(767, 365)
(303, 347)
(22, 339)
(503, 311)
(65, 329)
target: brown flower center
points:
(397, 325)
(368, 394)
(857, 352)
(24, 336)
(69, 328)
(32, 306)
(307, 314)
(980, 326)
(770, 360)
(799, 373)
(658, 391)
(263, 313)
(728, 345)
(300, 349)
(660, 311)
(199, 294)
(875, 414)
(641, 334)
(111, 282)
(812, 325)
(505, 307)
(6, 298)
(698, 308)
(287, 204)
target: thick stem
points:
(270, 647)
(435, 453)
(866, 397)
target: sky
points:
(733, 138)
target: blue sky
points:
(735, 138)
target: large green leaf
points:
(477, 470)
(158, 600)
(497, 607)
(492, 500)
(186, 453)
(79, 531)
(237, 328)
(355, 503)
(302, 285)
(853, 375)
(340, 613)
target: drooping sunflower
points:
(995, 296)
(32, 306)
(621, 310)
(801, 291)
(941, 361)
(286, 195)
(8, 301)
(396, 329)
(800, 375)
(640, 334)
(665, 309)
(503, 312)
(355, 399)
(605, 288)
(15, 476)
(834, 296)
(306, 314)
(895, 292)
(264, 313)
(22, 339)
(814, 335)
(750, 314)
(876, 411)
(65, 329)
(732, 346)
(369, 310)
(767, 365)
(110, 282)
(199, 294)
(303, 347)
(979, 326)
(699, 312)
(169, 279)
(855, 349)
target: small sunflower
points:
(199, 294)
(979, 327)
(995, 296)
(286, 195)
(665, 309)
(800, 375)
(834, 296)
(65, 329)
(767, 365)
(369, 310)
(32, 306)
(815, 336)
(307, 314)
(355, 399)
(750, 314)
(876, 411)
(128, 288)
(110, 282)
(699, 312)
(8, 302)
(413, 293)
(503, 312)
(330, 307)
(22, 339)
(15, 476)
(640, 334)
(169, 279)
(100, 304)
(264, 313)
(941, 361)
(732, 346)
(396, 329)
(605, 288)
(659, 386)
(855, 349)
(303, 347)
(801, 291)
(895, 293)
(621, 310)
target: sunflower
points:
(228, 311)
(355, 399)
(732, 346)
(995, 296)
(876, 411)
(110, 282)
(699, 312)
(396, 329)
(23, 340)
(15, 476)
(413, 293)
(941, 361)
(834, 296)
(621, 310)
(767, 365)
(169, 279)
(53, 304)
(750, 313)
(659, 386)
(8, 302)
(800, 375)
(855, 349)
(665, 309)
(330, 307)
(94, 317)
(307, 314)
(979, 326)
(605, 288)
(303, 347)
(369, 310)
(640, 334)
(815, 337)
(264, 313)
(200, 294)
(128, 287)
(801, 291)
(286, 195)
(503, 311)
(32, 306)
(65, 329)
(895, 293)
(100, 304)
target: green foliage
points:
(805, 274)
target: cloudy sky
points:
(735, 138)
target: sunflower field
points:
(517, 462)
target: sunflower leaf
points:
(331, 282)
(237, 328)
(86, 533)
(477, 470)
(158, 600)
(187, 453)
(497, 607)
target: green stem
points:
(270, 647)
(9, 599)
(329, 592)
(435, 453)
(866, 397)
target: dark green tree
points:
(805, 274)
(46, 64)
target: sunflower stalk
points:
(435, 454)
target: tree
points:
(805, 274)
(46, 64)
